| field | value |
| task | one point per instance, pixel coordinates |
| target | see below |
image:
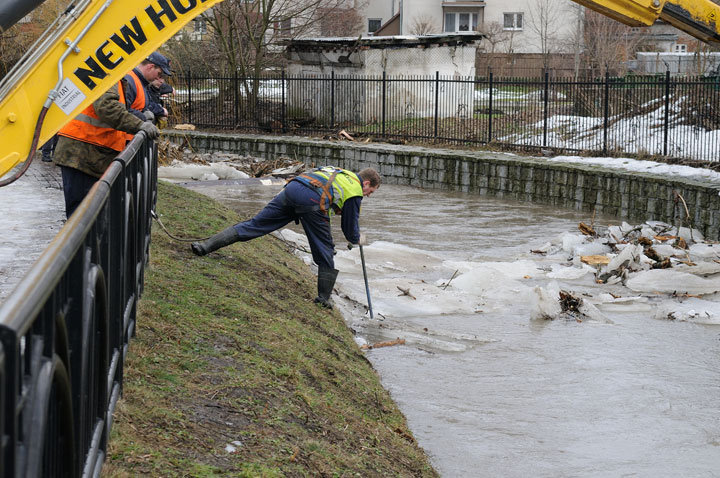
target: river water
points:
(487, 389)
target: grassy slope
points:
(230, 347)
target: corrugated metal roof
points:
(385, 41)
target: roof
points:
(396, 41)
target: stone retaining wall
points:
(627, 195)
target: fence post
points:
(606, 113)
(332, 99)
(284, 106)
(189, 87)
(384, 100)
(545, 107)
(490, 105)
(237, 98)
(437, 96)
(666, 125)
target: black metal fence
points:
(64, 330)
(643, 115)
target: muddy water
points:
(489, 392)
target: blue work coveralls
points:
(298, 202)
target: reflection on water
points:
(489, 392)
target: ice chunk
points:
(545, 303)
(700, 269)
(706, 251)
(647, 231)
(568, 273)
(669, 281)
(691, 310)
(629, 258)
(636, 303)
(210, 172)
(571, 241)
(615, 233)
(590, 312)
(515, 270)
(625, 228)
(659, 226)
(544, 248)
(685, 233)
(591, 249)
(666, 250)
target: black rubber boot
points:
(221, 239)
(326, 281)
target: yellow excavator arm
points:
(91, 47)
(696, 17)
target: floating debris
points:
(221, 165)
(406, 292)
(388, 343)
(587, 230)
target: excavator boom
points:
(91, 47)
(698, 18)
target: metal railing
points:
(654, 115)
(64, 330)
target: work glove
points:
(149, 115)
(150, 129)
(363, 240)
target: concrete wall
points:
(626, 195)
(405, 99)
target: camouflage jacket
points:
(89, 158)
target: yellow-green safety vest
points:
(335, 186)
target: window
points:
(680, 48)
(461, 22)
(283, 28)
(513, 21)
(200, 25)
(374, 24)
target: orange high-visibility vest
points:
(89, 128)
(140, 102)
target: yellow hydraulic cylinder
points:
(696, 17)
(636, 13)
(108, 39)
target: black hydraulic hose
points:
(12, 11)
(33, 148)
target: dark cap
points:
(160, 60)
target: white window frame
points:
(515, 23)
(379, 20)
(200, 25)
(283, 28)
(680, 48)
(456, 21)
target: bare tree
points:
(546, 18)
(341, 20)
(423, 25)
(491, 46)
(246, 36)
(609, 44)
(16, 40)
(495, 35)
(247, 33)
(704, 62)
